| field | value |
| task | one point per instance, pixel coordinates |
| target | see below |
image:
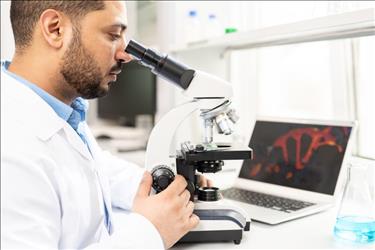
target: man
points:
(58, 186)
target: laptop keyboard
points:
(265, 200)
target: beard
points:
(81, 71)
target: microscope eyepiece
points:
(161, 65)
(135, 49)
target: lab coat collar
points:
(38, 114)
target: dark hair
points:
(25, 14)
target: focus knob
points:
(162, 176)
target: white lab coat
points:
(53, 189)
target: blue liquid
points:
(356, 229)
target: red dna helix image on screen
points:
(318, 139)
(303, 156)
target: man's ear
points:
(52, 28)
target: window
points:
(331, 80)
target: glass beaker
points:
(356, 215)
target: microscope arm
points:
(159, 144)
(207, 86)
(158, 150)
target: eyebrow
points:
(121, 25)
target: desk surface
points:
(314, 231)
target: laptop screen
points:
(303, 156)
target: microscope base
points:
(213, 236)
(219, 221)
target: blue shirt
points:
(74, 114)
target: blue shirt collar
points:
(73, 114)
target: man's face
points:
(92, 60)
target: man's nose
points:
(123, 56)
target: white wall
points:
(365, 96)
(7, 40)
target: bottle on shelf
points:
(232, 18)
(213, 27)
(193, 27)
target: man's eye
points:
(114, 37)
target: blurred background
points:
(306, 60)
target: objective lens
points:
(225, 126)
(233, 116)
(208, 194)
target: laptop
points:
(295, 169)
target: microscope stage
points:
(225, 153)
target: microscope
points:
(220, 220)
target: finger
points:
(177, 186)
(193, 221)
(145, 185)
(185, 197)
(210, 183)
(190, 208)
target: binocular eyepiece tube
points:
(161, 65)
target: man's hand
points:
(170, 211)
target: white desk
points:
(311, 232)
(314, 231)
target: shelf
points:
(347, 25)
